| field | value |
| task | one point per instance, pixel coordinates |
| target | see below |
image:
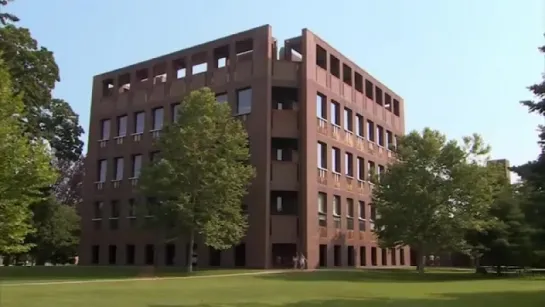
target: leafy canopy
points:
(198, 184)
(437, 191)
(24, 170)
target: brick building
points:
(318, 124)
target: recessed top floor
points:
(239, 47)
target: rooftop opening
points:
(107, 87)
(368, 89)
(358, 82)
(347, 74)
(199, 62)
(335, 68)
(396, 107)
(179, 67)
(321, 57)
(124, 82)
(142, 75)
(378, 95)
(388, 102)
(221, 56)
(160, 73)
(244, 49)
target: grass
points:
(376, 288)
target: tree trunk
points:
(190, 252)
(420, 263)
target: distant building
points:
(504, 164)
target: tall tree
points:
(34, 73)
(6, 17)
(24, 170)
(197, 186)
(533, 172)
(437, 191)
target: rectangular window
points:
(381, 171)
(154, 156)
(244, 101)
(122, 126)
(359, 125)
(370, 131)
(361, 211)
(139, 122)
(105, 129)
(370, 170)
(158, 116)
(335, 113)
(114, 210)
(136, 166)
(102, 170)
(118, 171)
(348, 120)
(350, 207)
(221, 98)
(380, 135)
(321, 104)
(361, 169)
(322, 202)
(322, 155)
(336, 205)
(132, 208)
(389, 139)
(373, 212)
(175, 110)
(348, 164)
(336, 160)
(97, 210)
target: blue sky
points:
(461, 65)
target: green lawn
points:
(384, 288)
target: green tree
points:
(24, 170)
(197, 186)
(57, 232)
(6, 17)
(437, 191)
(34, 72)
(533, 173)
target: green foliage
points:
(437, 191)
(6, 17)
(57, 232)
(34, 73)
(197, 186)
(533, 172)
(24, 170)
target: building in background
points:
(318, 126)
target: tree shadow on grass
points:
(496, 299)
(380, 275)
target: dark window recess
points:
(358, 82)
(284, 203)
(337, 255)
(95, 254)
(283, 149)
(335, 68)
(321, 106)
(112, 254)
(335, 113)
(214, 257)
(396, 107)
(350, 256)
(149, 254)
(130, 253)
(384, 253)
(322, 155)
(368, 89)
(284, 98)
(347, 74)
(336, 157)
(363, 256)
(371, 131)
(380, 135)
(170, 254)
(321, 57)
(388, 102)
(378, 96)
(373, 256)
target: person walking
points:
(302, 261)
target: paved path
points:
(67, 282)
